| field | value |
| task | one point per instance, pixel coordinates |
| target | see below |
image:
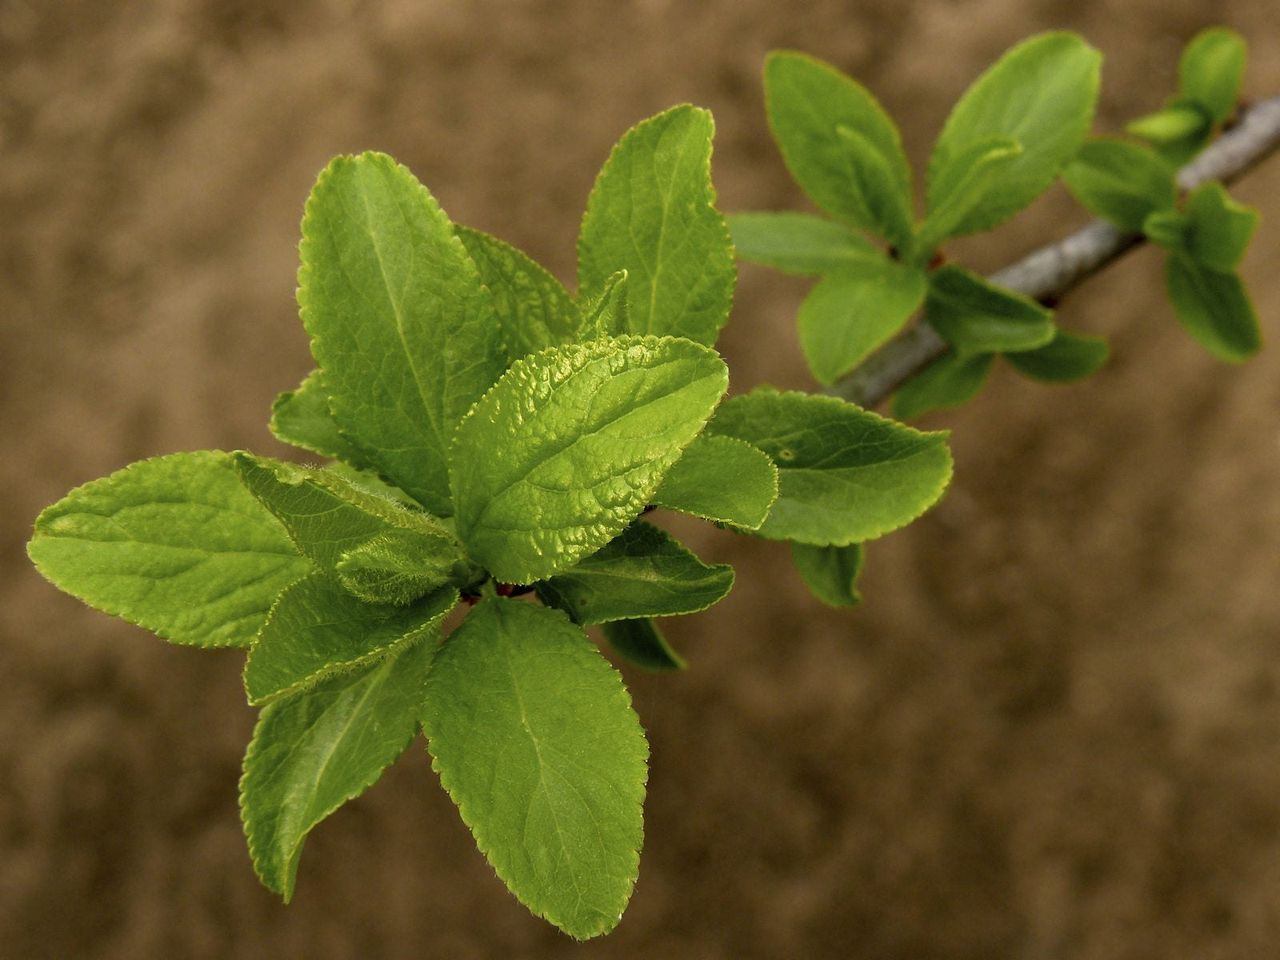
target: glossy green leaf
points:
(652, 213)
(175, 545)
(799, 243)
(1211, 69)
(532, 306)
(963, 186)
(849, 314)
(642, 643)
(1041, 94)
(844, 474)
(1121, 182)
(314, 751)
(317, 629)
(831, 573)
(570, 445)
(301, 417)
(400, 324)
(976, 316)
(859, 176)
(1214, 308)
(949, 381)
(327, 516)
(643, 572)
(519, 697)
(1067, 357)
(721, 479)
(1219, 229)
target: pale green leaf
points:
(844, 474)
(652, 213)
(949, 381)
(1219, 229)
(642, 643)
(721, 479)
(1041, 94)
(398, 566)
(831, 573)
(1214, 308)
(799, 242)
(1067, 357)
(570, 445)
(849, 314)
(963, 186)
(534, 737)
(532, 306)
(607, 310)
(317, 629)
(976, 316)
(314, 751)
(1211, 69)
(1173, 126)
(400, 324)
(301, 417)
(1121, 182)
(643, 572)
(175, 545)
(861, 177)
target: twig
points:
(1050, 272)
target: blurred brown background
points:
(1052, 731)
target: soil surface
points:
(1052, 730)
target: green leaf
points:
(652, 213)
(844, 474)
(532, 306)
(798, 242)
(1219, 229)
(570, 445)
(1171, 125)
(1121, 182)
(831, 573)
(721, 479)
(316, 629)
(301, 417)
(949, 381)
(642, 643)
(534, 737)
(849, 314)
(976, 316)
(1211, 69)
(644, 572)
(859, 176)
(1168, 229)
(607, 310)
(1067, 357)
(963, 187)
(175, 545)
(313, 752)
(1214, 308)
(400, 323)
(1041, 94)
(398, 566)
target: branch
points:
(1050, 272)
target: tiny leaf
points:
(721, 479)
(313, 752)
(400, 323)
(642, 643)
(849, 314)
(534, 737)
(844, 474)
(397, 566)
(1214, 308)
(175, 545)
(317, 629)
(1041, 94)
(1219, 229)
(798, 243)
(1121, 182)
(963, 186)
(859, 175)
(652, 214)
(607, 310)
(949, 381)
(1211, 69)
(644, 572)
(1067, 357)
(976, 316)
(1168, 229)
(831, 573)
(1170, 126)
(301, 417)
(570, 445)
